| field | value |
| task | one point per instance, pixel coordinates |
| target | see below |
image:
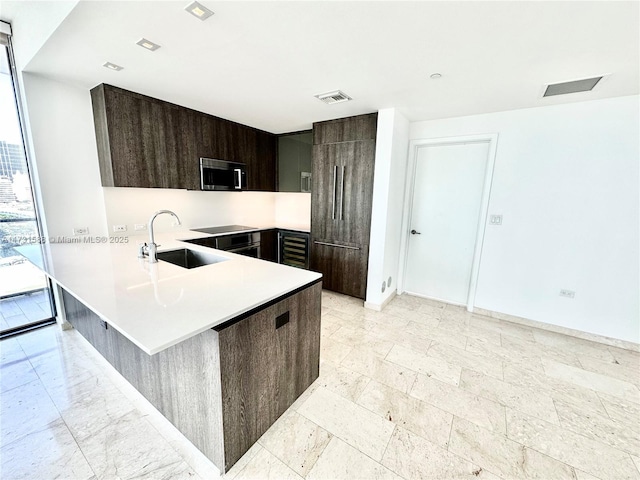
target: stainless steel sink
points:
(187, 258)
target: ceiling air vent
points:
(333, 97)
(584, 85)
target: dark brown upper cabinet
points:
(146, 142)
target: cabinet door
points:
(324, 191)
(342, 192)
(269, 245)
(344, 269)
(354, 191)
(361, 127)
(266, 361)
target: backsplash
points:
(131, 206)
(293, 210)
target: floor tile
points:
(368, 363)
(129, 447)
(621, 410)
(296, 441)
(436, 335)
(504, 328)
(583, 398)
(411, 456)
(623, 435)
(505, 457)
(352, 423)
(575, 345)
(415, 415)
(595, 381)
(340, 461)
(50, 452)
(571, 448)
(520, 351)
(461, 403)
(537, 404)
(489, 365)
(585, 476)
(611, 369)
(24, 410)
(15, 369)
(342, 381)
(626, 358)
(429, 366)
(361, 338)
(332, 350)
(88, 407)
(265, 466)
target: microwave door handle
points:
(238, 186)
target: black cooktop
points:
(223, 229)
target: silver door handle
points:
(341, 191)
(238, 178)
(415, 232)
(335, 175)
(336, 245)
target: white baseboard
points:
(612, 342)
(379, 306)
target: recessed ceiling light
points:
(198, 10)
(112, 66)
(583, 85)
(148, 44)
(435, 76)
(333, 97)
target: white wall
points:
(63, 140)
(32, 24)
(392, 140)
(566, 180)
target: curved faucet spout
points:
(153, 248)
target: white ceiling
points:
(261, 63)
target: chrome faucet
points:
(151, 250)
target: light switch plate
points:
(495, 219)
(119, 228)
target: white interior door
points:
(447, 203)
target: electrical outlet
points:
(119, 228)
(567, 293)
(495, 219)
(81, 231)
(140, 226)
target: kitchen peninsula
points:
(221, 350)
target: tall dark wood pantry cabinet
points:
(341, 199)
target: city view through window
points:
(24, 296)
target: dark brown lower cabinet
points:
(344, 267)
(269, 245)
(226, 386)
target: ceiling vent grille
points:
(584, 85)
(333, 97)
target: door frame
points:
(414, 150)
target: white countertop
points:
(159, 305)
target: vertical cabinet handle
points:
(335, 174)
(341, 192)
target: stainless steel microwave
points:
(222, 175)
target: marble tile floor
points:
(422, 390)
